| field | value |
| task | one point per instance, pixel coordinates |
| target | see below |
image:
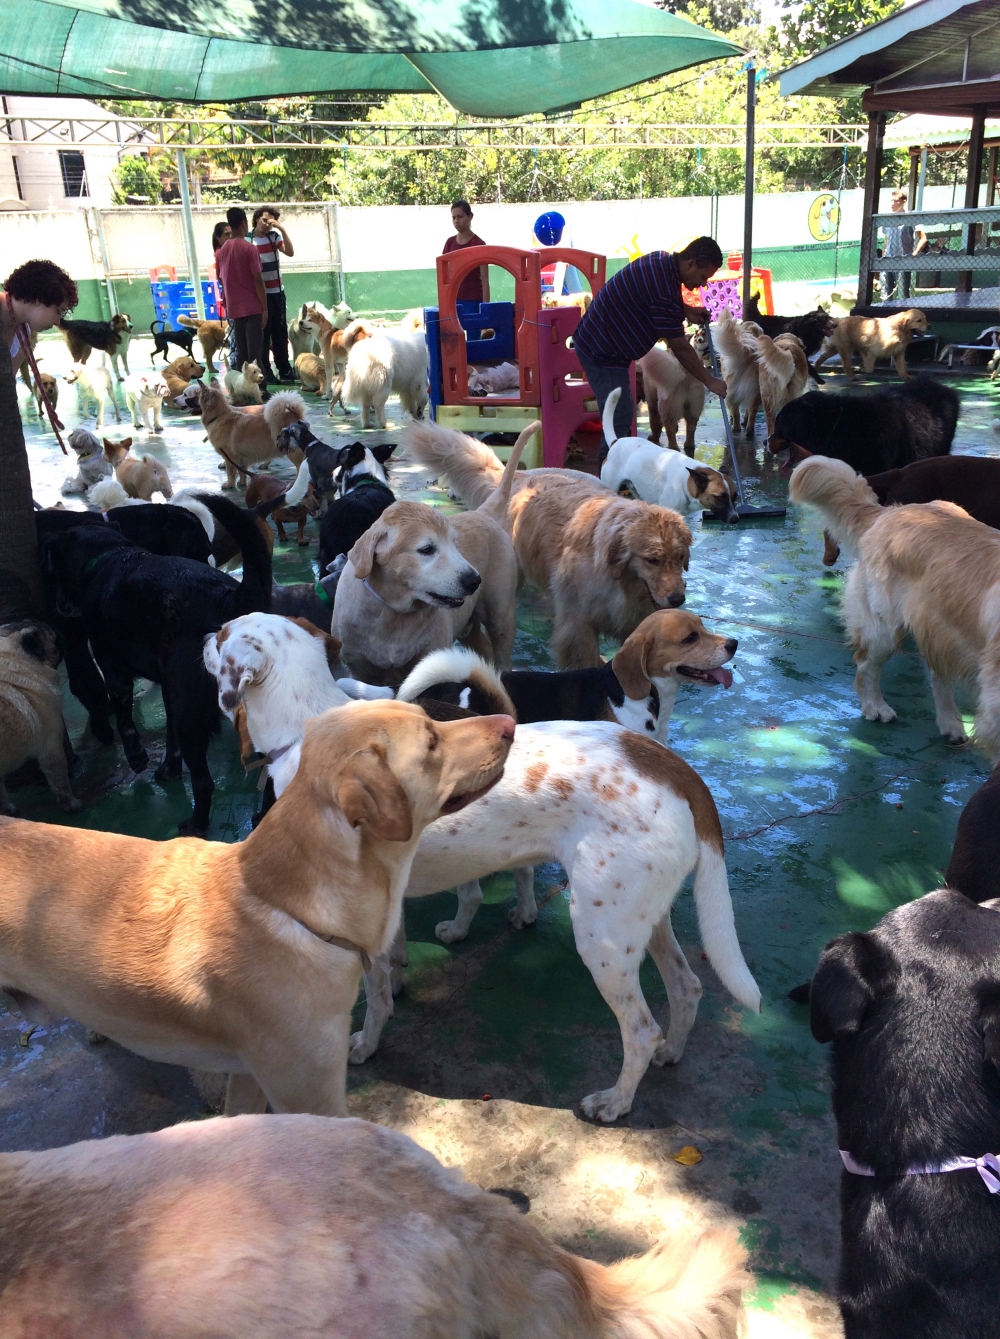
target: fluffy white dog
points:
(94, 385)
(144, 394)
(391, 362)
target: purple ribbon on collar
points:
(988, 1167)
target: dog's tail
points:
(608, 416)
(497, 505)
(255, 587)
(188, 321)
(471, 466)
(459, 676)
(281, 407)
(300, 487)
(843, 499)
(679, 1290)
(735, 344)
(188, 499)
(717, 927)
(779, 362)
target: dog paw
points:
(519, 921)
(667, 1053)
(605, 1106)
(360, 1050)
(95, 1038)
(883, 713)
(446, 932)
(956, 737)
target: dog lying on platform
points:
(570, 792)
(354, 1192)
(31, 721)
(201, 954)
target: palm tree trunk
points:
(20, 578)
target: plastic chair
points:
(564, 406)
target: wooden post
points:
(991, 175)
(911, 188)
(976, 137)
(873, 184)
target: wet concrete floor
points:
(830, 821)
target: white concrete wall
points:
(38, 167)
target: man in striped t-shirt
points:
(269, 237)
(639, 305)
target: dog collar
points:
(368, 586)
(321, 594)
(988, 1167)
(339, 942)
(91, 563)
(272, 756)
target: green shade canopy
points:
(489, 58)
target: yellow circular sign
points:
(824, 217)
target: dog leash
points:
(24, 339)
(988, 1167)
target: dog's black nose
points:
(676, 600)
(731, 645)
(471, 580)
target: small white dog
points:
(664, 477)
(93, 385)
(390, 362)
(144, 394)
(91, 465)
(243, 386)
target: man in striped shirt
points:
(270, 238)
(639, 305)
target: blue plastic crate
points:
(173, 298)
(474, 318)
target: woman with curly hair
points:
(35, 297)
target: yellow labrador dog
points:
(244, 958)
(293, 1227)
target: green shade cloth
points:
(489, 58)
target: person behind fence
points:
(475, 287)
(905, 239)
(238, 264)
(270, 238)
(639, 305)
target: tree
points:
(135, 176)
(816, 24)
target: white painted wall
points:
(38, 167)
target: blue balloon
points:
(549, 228)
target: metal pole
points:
(105, 262)
(922, 179)
(189, 242)
(748, 182)
(335, 214)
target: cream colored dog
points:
(243, 384)
(294, 1227)
(140, 476)
(180, 373)
(31, 723)
(96, 386)
(245, 439)
(873, 337)
(784, 373)
(246, 957)
(144, 394)
(737, 345)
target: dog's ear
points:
(362, 556)
(382, 453)
(370, 796)
(247, 749)
(33, 644)
(629, 666)
(844, 986)
(700, 479)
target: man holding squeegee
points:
(639, 305)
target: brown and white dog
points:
(244, 440)
(576, 792)
(244, 958)
(210, 335)
(335, 344)
(140, 476)
(784, 373)
(873, 337)
(264, 487)
(928, 569)
(286, 1227)
(606, 561)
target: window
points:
(17, 178)
(74, 173)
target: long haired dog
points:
(928, 569)
(450, 1259)
(140, 476)
(608, 562)
(107, 336)
(737, 344)
(94, 386)
(91, 464)
(243, 384)
(674, 394)
(391, 362)
(873, 337)
(245, 440)
(336, 338)
(210, 336)
(784, 373)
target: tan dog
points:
(244, 440)
(211, 336)
(672, 394)
(312, 372)
(289, 1227)
(246, 957)
(140, 476)
(335, 344)
(48, 383)
(925, 568)
(581, 300)
(608, 562)
(784, 373)
(31, 722)
(737, 345)
(180, 373)
(873, 337)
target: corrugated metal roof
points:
(921, 129)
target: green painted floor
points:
(830, 821)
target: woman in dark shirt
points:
(475, 287)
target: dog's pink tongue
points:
(722, 676)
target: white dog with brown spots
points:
(627, 819)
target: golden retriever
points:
(784, 373)
(244, 440)
(180, 373)
(737, 345)
(607, 562)
(31, 722)
(244, 958)
(211, 337)
(925, 568)
(140, 476)
(289, 1227)
(873, 337)
(311, 372)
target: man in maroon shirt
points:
(239, 270)
(475, 287)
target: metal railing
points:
(958, 270)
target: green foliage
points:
(134, 176)
(815, 24)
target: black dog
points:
(148, 615)
(971, 482)
(364, 496)
(184, 339)
(974, 868)
(913, 1012)
(812, 328)
(872, 430)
